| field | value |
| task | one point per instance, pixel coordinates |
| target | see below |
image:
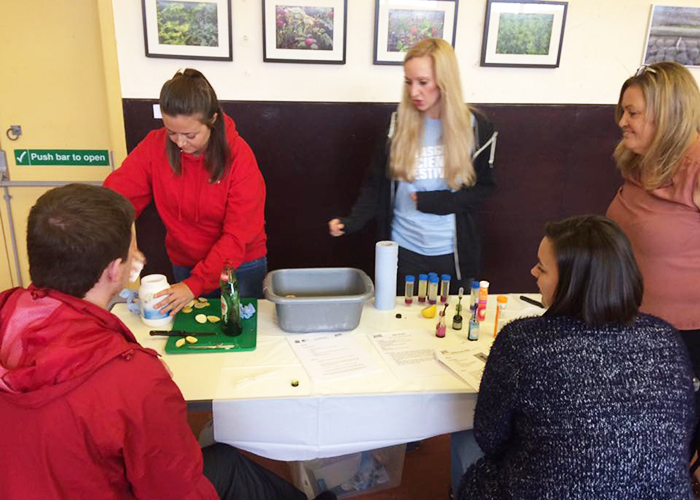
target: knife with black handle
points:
(178, 333)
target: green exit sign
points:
(67, 157)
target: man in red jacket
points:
(85, 411)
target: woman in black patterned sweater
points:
(594, 400)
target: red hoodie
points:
(207, 224)
(85, 411)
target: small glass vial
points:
(473, 329)
(457, 319)
(422, 287)
(432, 289)
(444, 287)
(441, 327)
(408, 294)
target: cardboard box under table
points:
(351, 475)
(186, 322)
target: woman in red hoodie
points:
(207, 188)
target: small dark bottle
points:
(230, 302)
(457, 319)
(473, 327)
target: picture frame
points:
(305, 31)
(539, 26)
(188, 29)
(399, 24)
(673, 35)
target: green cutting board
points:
(246, 341)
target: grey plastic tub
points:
(318, 299)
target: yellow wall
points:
(61, 84)
(110, 64)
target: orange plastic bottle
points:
(502, 302)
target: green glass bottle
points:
(230, 302)
(457, 320)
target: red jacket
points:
(207, 224)
(85, 411)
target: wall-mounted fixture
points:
(14, 132)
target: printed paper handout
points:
(331, 356)
(409, 354)
(466, 361)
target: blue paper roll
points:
(386, 259)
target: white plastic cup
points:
(150, 285)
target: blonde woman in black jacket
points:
(427, 181)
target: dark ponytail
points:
(189, 93)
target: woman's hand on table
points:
(176, 297)
(335, 227)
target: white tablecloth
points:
(256, 408)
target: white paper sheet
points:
(466, 361)
(409, 354)
(331, 356)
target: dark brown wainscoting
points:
(552, 161)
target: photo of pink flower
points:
(408, 27)
(309, 28)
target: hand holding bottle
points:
(176, 297)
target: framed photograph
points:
(523, 33)
(674, 35)
(400, 24)
(187, 29)
(304, 31)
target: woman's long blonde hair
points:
(457, 134)
(673, 103)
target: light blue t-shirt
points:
(426, 234)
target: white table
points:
(256, 408)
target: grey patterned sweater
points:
(568, 411)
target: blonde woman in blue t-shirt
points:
(427, 181)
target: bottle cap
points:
(484, 284)
(434, 278)
(502, 298)
(410, 278)
(423, 277)
(475, 284)
(446, 277)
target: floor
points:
(426, 472)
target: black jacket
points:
(577, 412)
(376, 199)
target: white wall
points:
(603, 45)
